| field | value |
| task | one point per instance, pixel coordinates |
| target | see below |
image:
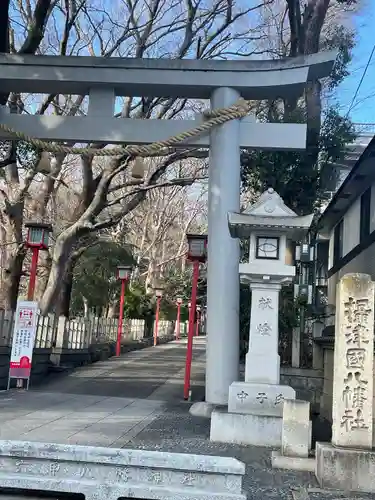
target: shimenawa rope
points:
(213, 118)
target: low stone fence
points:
(307, 382)
(77, 341)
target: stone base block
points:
(111, 474)
(70, 357)
(258, 399)
(296, 439)
(292, 463)
(256, 430)
(345, 469)
(202, 409)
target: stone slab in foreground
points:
(110, 474)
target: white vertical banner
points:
(24, 333)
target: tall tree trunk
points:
(14, 204)
(13, 218)
(66, 290)
(314, 116)
(44, 267)
(11, 279)
(60, 258)
(34, 36)
(4, 23)
(112, 310)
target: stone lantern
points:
(271, 228)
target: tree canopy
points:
(87, 199)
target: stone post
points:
(296, 346)
(352, 410)
(296, 439)
(318, 362)
(61, 335)
(261, 393)
(262, 360)
(61, 340)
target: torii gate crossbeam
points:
(195, 79)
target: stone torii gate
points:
(223, 82)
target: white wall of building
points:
(363, 262)
(330, 251)
(351, 227)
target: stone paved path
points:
(104, 404)
(136, 402)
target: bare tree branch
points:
(42, 10)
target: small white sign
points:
(24, 334)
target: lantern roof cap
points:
(193, 236)
(270, 213)
(38, 225)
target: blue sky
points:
(364, 109)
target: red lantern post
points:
(37, 239)
(178, 321)
(123, 274)
(198, 308)
(189, 310)
(197, 252)
(159, 294)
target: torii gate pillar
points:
(222, 355)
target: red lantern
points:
(124, 272)
(38, 235)
(197, 247)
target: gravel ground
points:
(177, 431)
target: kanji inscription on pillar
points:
(264, 328)
(265, 303)
(352, 411)
(261, 397)
(241, 396)
(279, 399)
